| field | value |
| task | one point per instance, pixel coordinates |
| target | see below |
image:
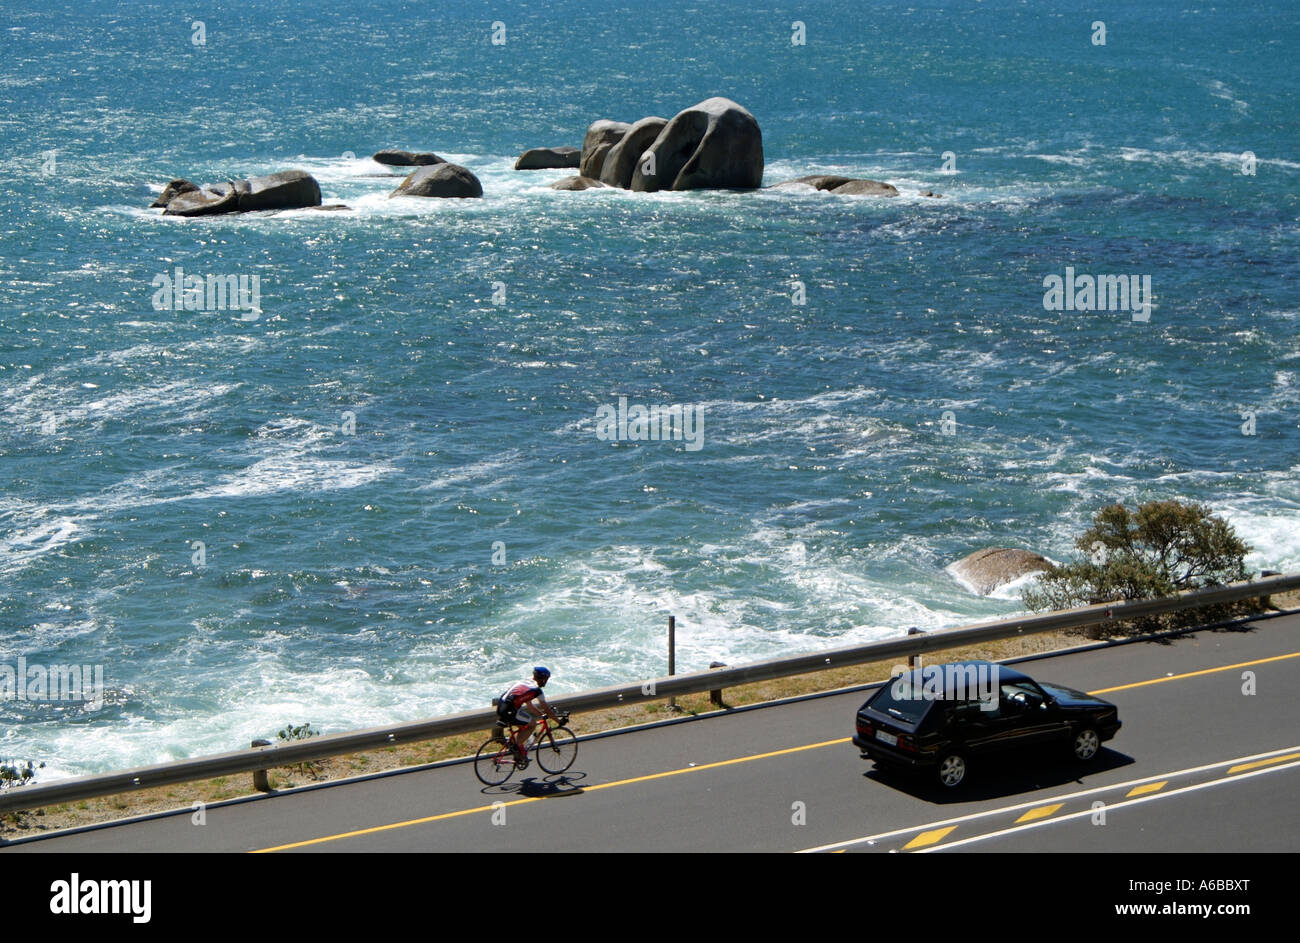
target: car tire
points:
(1085, 744)
(951, 771)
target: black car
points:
(940, 718)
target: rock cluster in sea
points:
(714, 145)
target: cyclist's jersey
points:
(522, 693)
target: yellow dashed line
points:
(1194, 674)
(934, 836)
(1042, 812)
(1258, 763)
(1146, 788)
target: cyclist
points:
(514, 704)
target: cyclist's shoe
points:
(520, 755)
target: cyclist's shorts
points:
(522, 717)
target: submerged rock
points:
(986, 570)
(579, 183)
(844, 186)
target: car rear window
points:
(901, 700)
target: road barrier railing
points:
(262, 758)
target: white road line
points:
(1045, 799)
(1236, 777)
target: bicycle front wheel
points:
(494, 762)
(556, 751)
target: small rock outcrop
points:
(549, 158)
(395, 158)
(288, 190)
(600, 137)
(844, 186)
(579, 183)
(986, 570)
(173, 189)
(716, 144)
(620, 161)
(440, 180)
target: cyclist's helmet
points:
(541, 675)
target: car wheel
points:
(1085, 744)
(951, 771)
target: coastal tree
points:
(1161, 548)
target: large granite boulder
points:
(288, 190)
(985, 570)
(579, 183)
(549, 158)
(844, 186)
(600, 137)
(395, 158)
(621, 160)
(716, 144)
(440, 180)
(173, 189)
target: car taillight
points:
(865, 729)
(906, 743)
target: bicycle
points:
(554, 747)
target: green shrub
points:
(16, 773)
(291, 733)
(1163, 547)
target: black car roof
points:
(949, 671)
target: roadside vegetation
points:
(1158, 549)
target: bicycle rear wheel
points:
(556, 751)
(494, 762)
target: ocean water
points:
(352, 458)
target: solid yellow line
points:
(498, 805)
(1042, 812)
(931, 837)
(1258, 763)
(1146, 788)
(1193, 674)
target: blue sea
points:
(381, 496)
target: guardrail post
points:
(672, 656)
(260, 782)
(1267, 601)
(911, 659)
(715, 696)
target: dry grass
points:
(168, 798)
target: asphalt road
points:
(1199, 765)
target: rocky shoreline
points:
(714, 145)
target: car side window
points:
(968, 712)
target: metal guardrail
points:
(288, 754)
